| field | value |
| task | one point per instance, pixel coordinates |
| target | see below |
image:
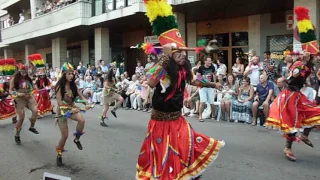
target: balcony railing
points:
(67, 17)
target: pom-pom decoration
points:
(66, 67)
(306, 30)
(36, 60)
(148, 48)
(10, 67)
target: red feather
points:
(302, 13)
(2, 62)
(199, 49)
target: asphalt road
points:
(251, 153)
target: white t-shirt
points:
(308, 92)
(254, 75)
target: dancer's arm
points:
(12, 90)
(59, 98)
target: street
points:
(251, 153)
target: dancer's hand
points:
(75, 110)
(88, 107)
(167, 49)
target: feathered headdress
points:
(8, 66)
(66, 67)
(164, 23)
(37, 61)
(21, 67)
(306, 30)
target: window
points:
(277, 44)
(240, 39)
(109, 5)
(119, 4)
(223, 39)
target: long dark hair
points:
(46, 82)
(173, 71)
(17, 78)
(110, 75)
(61, 84)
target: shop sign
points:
(151, 39)
(290, 22)
(278, 56)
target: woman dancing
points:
(291, 109)
(67, 94)
(22, 90)
(7, 109)
(110, 94)
(43, 96)
(171, 148)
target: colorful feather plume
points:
(8, 66)
(37, 60)
(306, 30)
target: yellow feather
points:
(304, 26)
(158, 8)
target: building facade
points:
(90, 30)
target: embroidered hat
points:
(164, 23)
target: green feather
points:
(308, 36)
(163, 24)
(202, 42)
(139, 45)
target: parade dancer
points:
(7, 110)
(66, 95)
(110, 94)
(171, 148)
(292, 110)
(42, 85)
(21, 89)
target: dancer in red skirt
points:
(42, 86)
(292, 110)
(172, 149)
(7, 109)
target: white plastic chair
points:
(218, 103)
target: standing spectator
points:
(252, 53)
(264, 93)
(284, 66)
(21, 19)
(222, 68)
(81, 69)
(207, 71)
(149, 64)
(269, 66)
(238, 69)
(139, 69)
(253, 71)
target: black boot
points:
(17, 139)
(59, 160)
(78, 143)
(102, 123)
(113, 112)
(32, 129)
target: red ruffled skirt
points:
(44, 102)
(173, 150)
(7, 109)
(291, 111)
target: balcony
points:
(6, 3)
(70, 16)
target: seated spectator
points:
(309, 93)
(192, 101)
(264, 93)
(131, 89)
(242, 107)
(87, 89)
(97, 90)
(227, 101)
(139, 69)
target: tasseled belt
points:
(164, 116)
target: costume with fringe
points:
(7, 109)
(171, 148)
(291, 109)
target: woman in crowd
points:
(242, 107)
(226, 102)
(110, 94)
(21, 89)
(238, 69)
(67, 94)
(42, 96)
